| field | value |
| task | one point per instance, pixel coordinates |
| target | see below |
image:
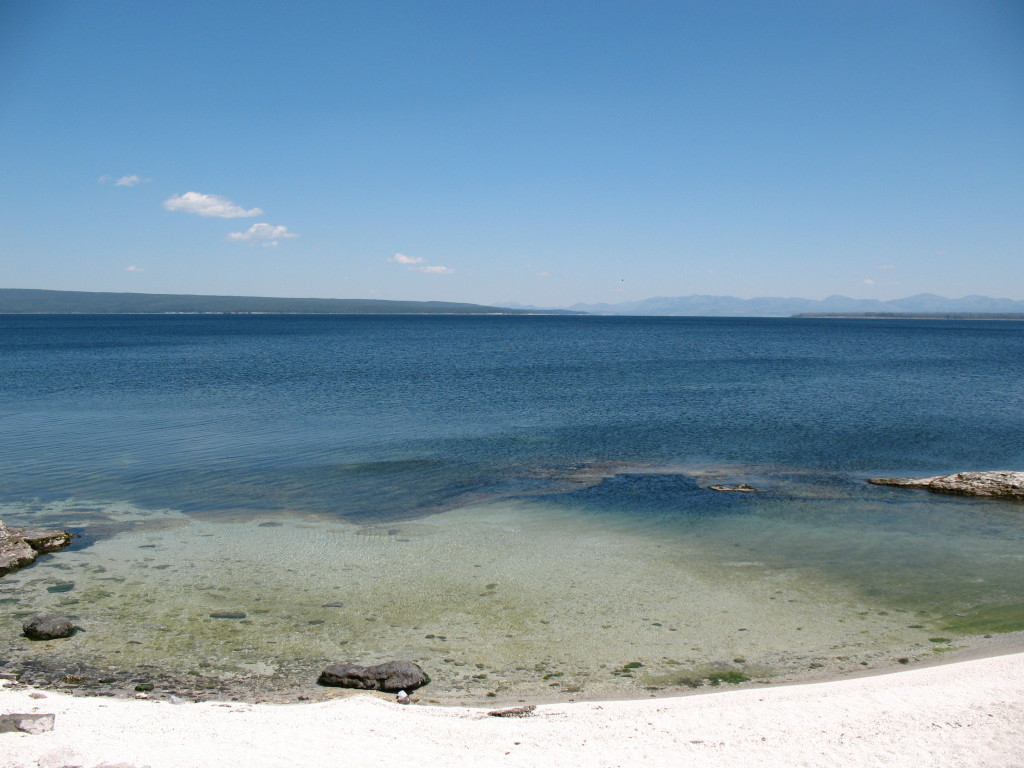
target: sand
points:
(963, 714)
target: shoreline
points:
(980, 649)
(976, 648)
(619, 642)
(965, 713)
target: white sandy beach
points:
(964, 714)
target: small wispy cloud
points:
(415, 263)
(133, 268)
(124, 181)
(868, 281)
(401, 258)
(266, 234)
(208, 205)
(887, 266)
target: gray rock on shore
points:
(391, 676)
(999, 484)
(26, 723)
(20, 546)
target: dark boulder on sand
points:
(391, 676)
(1000, 484)
(48, 626)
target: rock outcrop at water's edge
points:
(20, 546)
(391, 676)
(1000, 485)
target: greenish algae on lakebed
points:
(498, 602)
(988, 619)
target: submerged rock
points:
(47, 626)
(20, 546)
(1000, 484)
(391, 676)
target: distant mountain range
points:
(730, 306)
(32, 301)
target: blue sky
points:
(537, 152)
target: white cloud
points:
(208, 205)
(124, 181)
(401, 258)
(887, 266)
(133, 268)
(416, 264)
(262, 231)
(868, 281)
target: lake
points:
(519, 503)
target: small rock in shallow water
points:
(47, 626)
(15, 552)
(20, 546)
(392, 676)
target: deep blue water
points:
(391, 416)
